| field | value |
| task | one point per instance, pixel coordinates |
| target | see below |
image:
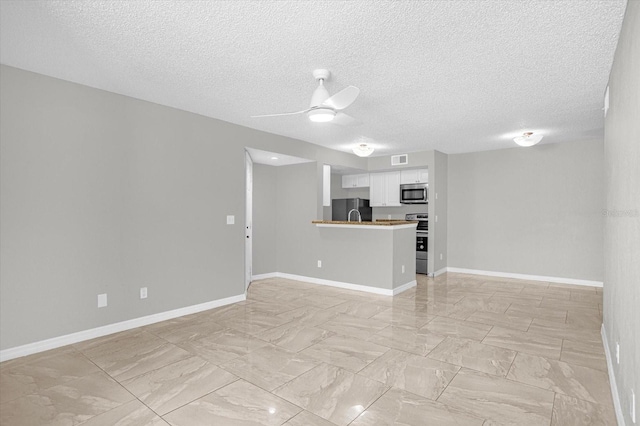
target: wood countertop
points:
(376, 223)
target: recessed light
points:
(274, 158)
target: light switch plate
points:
(102, 300)
(231, 219)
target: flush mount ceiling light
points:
(362, 150)
(528, 139)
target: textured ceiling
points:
(456, 76)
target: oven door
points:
(422, 240)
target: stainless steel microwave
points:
(414, 193)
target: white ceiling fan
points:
(324, 108)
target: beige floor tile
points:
(586, 320)
(474, 355)
(270, 367)
(347, 325)
(564, 331)
(132, 413)
(143, 362)
(499, 400)
(584, 353)
(457, 328)
(294, 336)
(305, 418)
(189, 331)
(66, 404)
(531, 343)
(332, 393)
(419, 375)
(223, 346)
(252, 323)
(573, 380)
(557, 315)
(346, 352)
(177, 384)
(415, 340)
(401, 408)
(399, 318)
(409, 346)
(482, 303)
(362, 309)
(238, 404)
(568, 411)
(39, 374)
(309, 316)
(504, 320)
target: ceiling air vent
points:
(399, 160)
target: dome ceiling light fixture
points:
(528, 139)
(363, 150)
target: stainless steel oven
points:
(422, 240)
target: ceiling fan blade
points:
(343, 98)
(283, 113)
(345, 119)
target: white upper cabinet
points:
(414, 176)
(384, 189)
(355, 181)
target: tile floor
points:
(457, 350)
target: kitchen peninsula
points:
(377, 257)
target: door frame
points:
(248, 221)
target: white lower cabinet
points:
(384, 189)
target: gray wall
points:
(105, 193)
(265, 259)
(534, 210)
(296, 208)
(440, 208)
(622, 205)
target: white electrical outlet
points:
(231, 220)
(403, 269)
(440, 256)
(617, 353)
(319, 263)
(388, 216)
(632, 409)
(102, 300)
(143, 292)
(436, 218)
(436, 195)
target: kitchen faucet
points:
(349, 215)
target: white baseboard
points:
(340, 284)
(80, 336)
(439, 272)
(264, 276)
(612, 378)
(526, 277)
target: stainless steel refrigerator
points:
(340, 208)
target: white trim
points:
(612, 378)
(264, 276)
(405, 287)
(348, 286)
(527, 277)
(68, 339)
(440, 272)
(384, 227)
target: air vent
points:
(399, 160)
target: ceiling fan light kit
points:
(528, 139)
(363, 150)
(321, 115)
